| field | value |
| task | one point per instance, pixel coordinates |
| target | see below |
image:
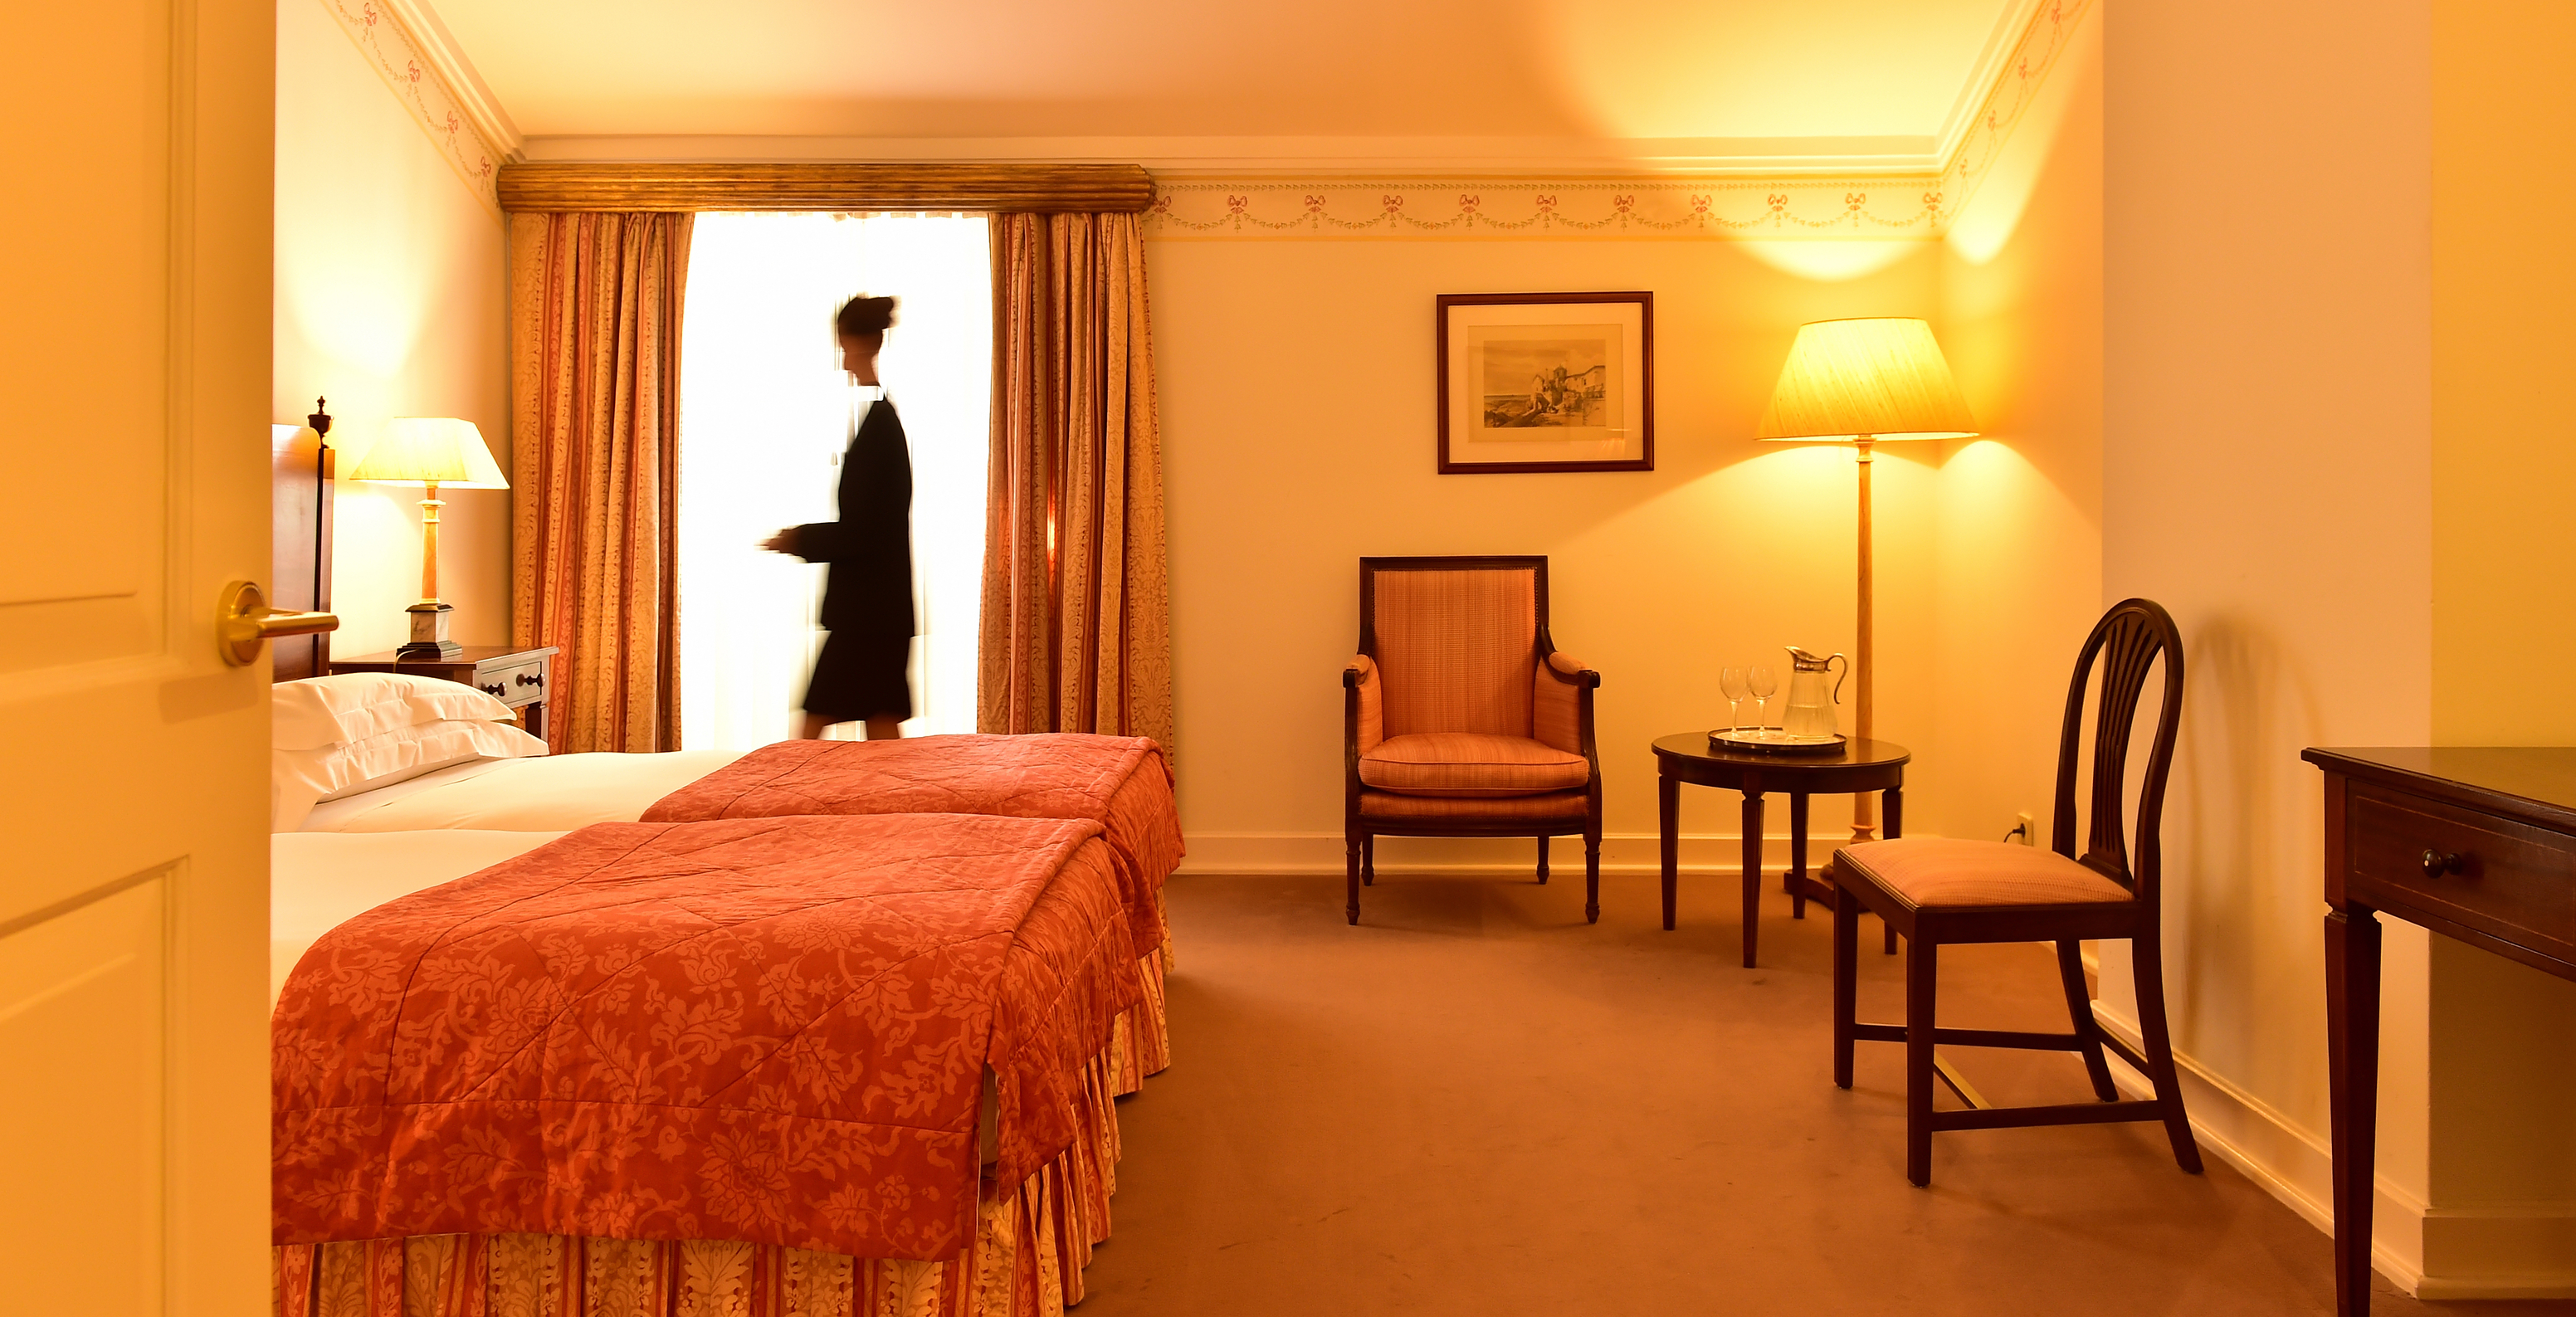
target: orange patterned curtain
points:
(1077, 626)
(595, 408)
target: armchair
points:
(1461, 719)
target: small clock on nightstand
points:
(519, 678)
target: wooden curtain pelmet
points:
(823, 185)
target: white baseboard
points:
(1621, 853)
(2294, 1164)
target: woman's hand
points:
(782, 542)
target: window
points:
(765, 413)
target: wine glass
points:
(1730, 683)
(1764, 683)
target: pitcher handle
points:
(1838, 681)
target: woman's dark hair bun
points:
(865, 315)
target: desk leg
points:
(1752, 873)
(1668, 808)
(2352, 1070)
(1795, 881)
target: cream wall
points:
(2019, 541)
(1296, 385)
(2502, 1144)
(2266, 312)
(389, 301)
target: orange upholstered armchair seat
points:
(1461, 719)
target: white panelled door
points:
(134, 364)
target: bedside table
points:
(519, 678)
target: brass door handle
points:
(244, 622)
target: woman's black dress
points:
(867, 590)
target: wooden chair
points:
(1460, 718)
(1938, 890)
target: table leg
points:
(1891, 808)
(1752, 873)
(2352, 1072)
(1668, 808)
(1795, 881)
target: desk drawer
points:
(517, 684)
(2509, 875)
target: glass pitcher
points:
(1811, 698)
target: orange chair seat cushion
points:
(1947, 871)
(1388, 807)
(1471, 764)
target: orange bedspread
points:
(767, 1030)
(1121, 782)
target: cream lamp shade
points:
(1879, 379)
(420, 450)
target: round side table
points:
(1862, 766)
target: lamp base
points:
(429, 633)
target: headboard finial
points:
(320, 420)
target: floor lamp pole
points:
(1864, 804)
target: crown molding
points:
(2044, 37)
(1879, 206)
(447, 61)
(411, 71)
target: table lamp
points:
(1862, 382)
(430, 452)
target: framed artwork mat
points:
(1546, 382)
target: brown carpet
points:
(1474, 1103)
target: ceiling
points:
(1720, 81)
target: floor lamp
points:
(1862, 382)
(430, 452)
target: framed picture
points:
(1547, 382)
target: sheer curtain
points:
(765, 413)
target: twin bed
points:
(827, 1028)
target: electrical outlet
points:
(2029, 828)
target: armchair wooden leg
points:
(1922, 973)
(1846, 981)
(1542, 858)
(2147, 958)
(1592, 872)
(1368, 859)
(2079, 1008)
(1351, 854)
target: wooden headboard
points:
(301, 476)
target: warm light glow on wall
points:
(1832, 260)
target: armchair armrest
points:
(1561, 704)
(1364, 706)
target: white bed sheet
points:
(320, 880)
(554, 793)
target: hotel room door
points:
(134, 397)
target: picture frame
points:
(1546, 382)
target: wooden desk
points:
(2474, 843)
(519, 678)
(1860, 766)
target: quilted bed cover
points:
(1121, 782)
(765, 1030)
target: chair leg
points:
(1846, 981)
(1542, 859)
(1592, 872)
(1921, 974)
(1368, 859)
(2079, 1008)
(2146, 957)
(1887, 939)
(1351, 855)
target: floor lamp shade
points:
(1861, 382)
(1875, 379)
(430, 452)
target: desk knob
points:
(2436, 864)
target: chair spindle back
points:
(2128, 641)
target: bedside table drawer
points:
(517, 684)
(2504, 875)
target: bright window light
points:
(765, 414)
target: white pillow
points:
(300, 779)
(324, 711)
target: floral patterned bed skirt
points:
(1027, 1259)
